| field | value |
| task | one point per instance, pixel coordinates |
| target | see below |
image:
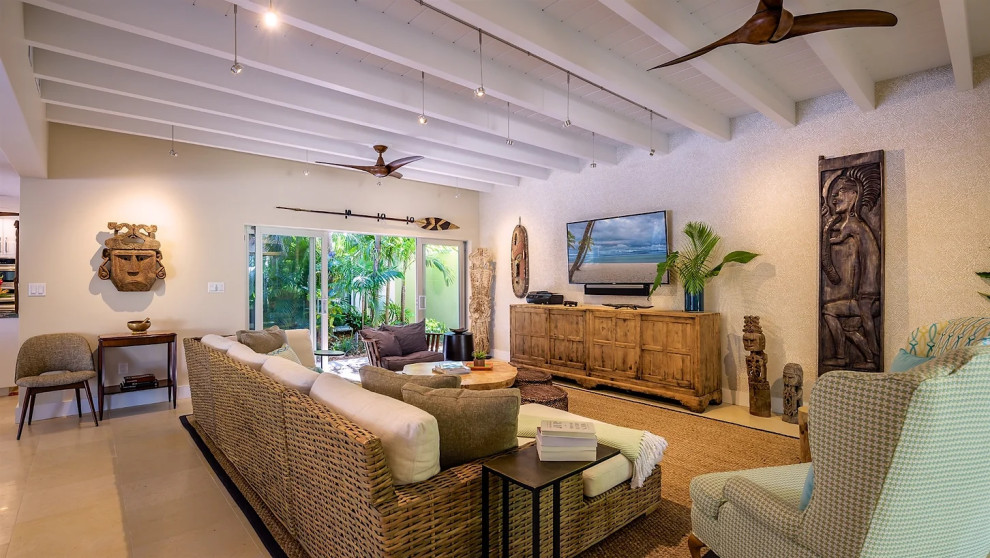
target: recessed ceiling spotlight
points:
(270, 17)
(567, 123)
(479, 92)
(236, 68)
(567, 119)
(422, 115)
(652, 152)
(423, 119)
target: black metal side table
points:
(458, 345)
(525, 469)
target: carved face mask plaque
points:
(132, 260)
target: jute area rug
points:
(697, 446)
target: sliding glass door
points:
(288, 280)
(440, 284)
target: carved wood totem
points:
(482, 274)
(520, 261)
(132, 260)
(756, 367)
(793, 391)
(850, 329)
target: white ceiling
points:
(338, 76)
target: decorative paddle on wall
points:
(428, 223)
(772, 23)
(380, 169)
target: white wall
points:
(760, 191)
(200, 202)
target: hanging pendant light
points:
(237, 67)
(480, 91)
(652, 150)
(172, 150)
(422, 114)
(508, 116)
(593, 162)
(271, 16)
(567, 120)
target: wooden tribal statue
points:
(756, 367)
(132, 259)
(482, 274)
(793, 391)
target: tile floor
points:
(138, 486)
(134, 486)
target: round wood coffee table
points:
(500, 376)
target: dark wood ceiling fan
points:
(772, 23)
(380, 169)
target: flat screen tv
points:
(617, 250)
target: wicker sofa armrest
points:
(760, 504)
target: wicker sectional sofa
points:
(323, 487)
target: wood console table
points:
(670, 354)
(112, 340)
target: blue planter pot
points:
(694, 302)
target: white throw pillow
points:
(243, 354)
(289, 374)
(598, 478)
(410, 436)
(219, 343)
(302, 344)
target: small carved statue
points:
(793, 391)
(482, 273)
(132, 260)
(756, 367)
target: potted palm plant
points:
(693, 266)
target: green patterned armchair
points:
(902, 469)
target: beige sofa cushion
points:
(217, 342)
(302, 345)
(410, 436)
(243, 354)
(289, 374)
(598, 478)
(473, 424)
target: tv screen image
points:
(622, 249)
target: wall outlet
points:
(214, 287)
(37, 289)
(122, 368)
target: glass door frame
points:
(461, 246)
(315, 305)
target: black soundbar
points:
(617, 289)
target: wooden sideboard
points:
(670, 354)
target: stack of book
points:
(451, 367)
(139, 381)
(561, 440)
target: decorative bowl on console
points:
(139, 326)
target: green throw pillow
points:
(390, 383)
(473, 424)
(904, 361)
(286, 352)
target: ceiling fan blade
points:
(840, 19)
(737, 36)
(402, 162)
(395, 175)
(355, 167)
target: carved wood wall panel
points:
(850, 293)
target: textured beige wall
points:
(200, 202)
(760, 191)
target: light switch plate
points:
(37, 289)
(214, 287)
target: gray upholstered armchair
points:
(901, 469)
(52, 362)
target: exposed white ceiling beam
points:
(671, 25)
(839, 58)
(92, 75)
(525, 25)
(956, 24)
(125, 125)
(95, 42)
(197, 29)
(23, 130)
(63, 94)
